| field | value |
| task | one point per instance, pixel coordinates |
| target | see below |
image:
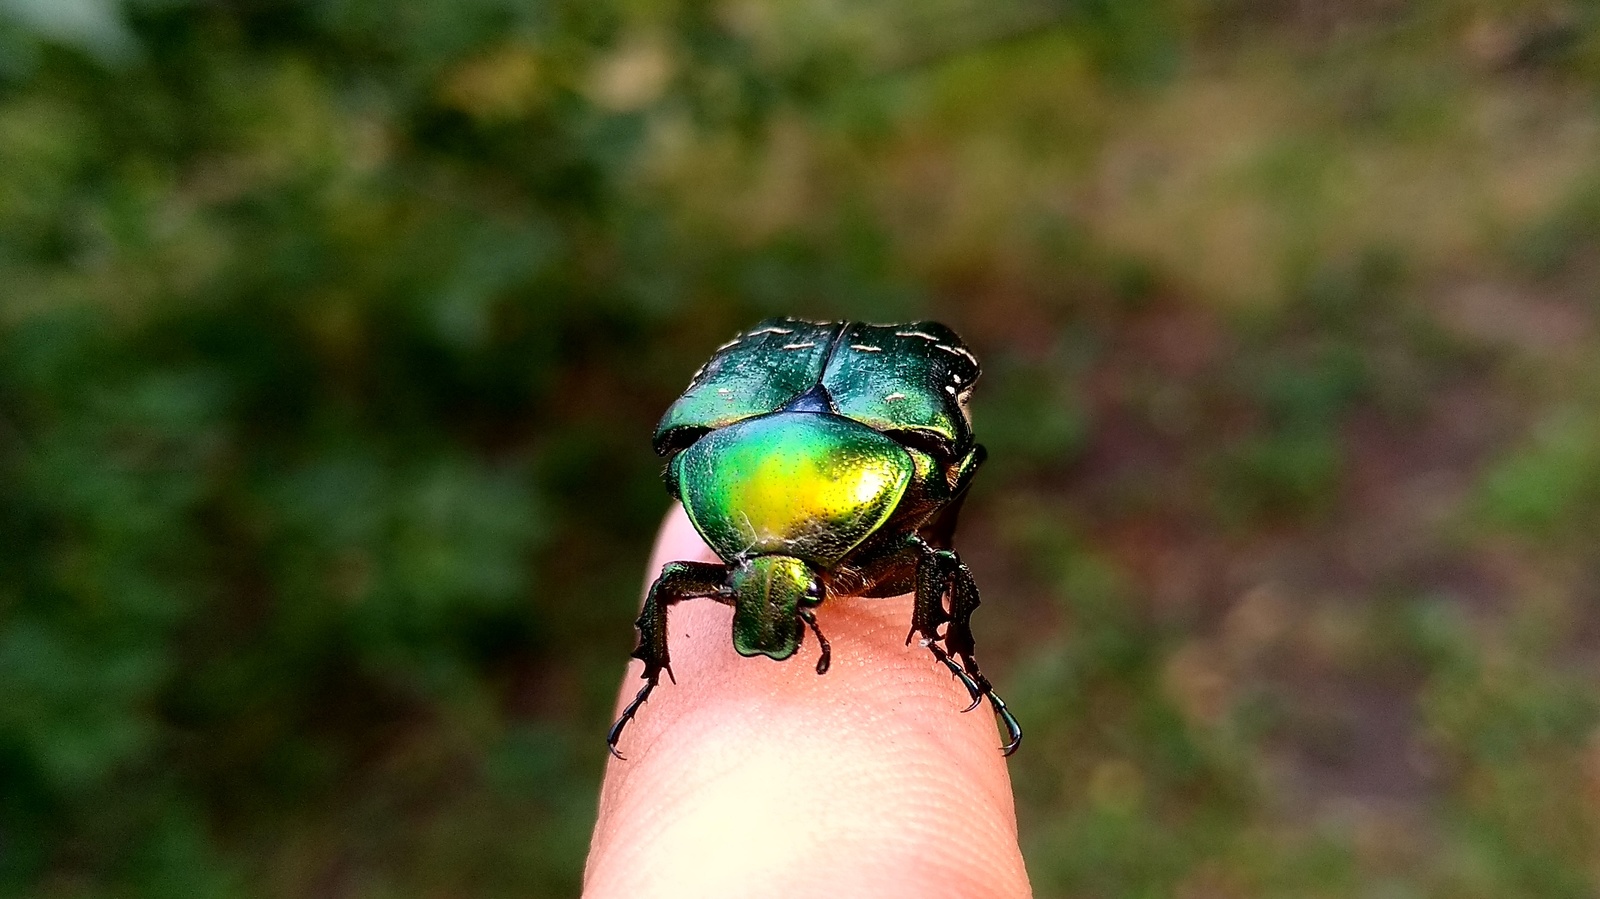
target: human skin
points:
(750, 777)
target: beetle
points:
(819, 460)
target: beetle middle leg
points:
(940, 571)
(678, 580)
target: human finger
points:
(749, 777)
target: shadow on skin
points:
(750, 777)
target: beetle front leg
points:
(938, 571)
(927, 612)
(958, 640)
(678, 580)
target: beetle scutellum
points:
(823, 459)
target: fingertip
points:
(760, 776)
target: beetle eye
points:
(814, 590)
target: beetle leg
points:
(973, 689)
(826, 659)
(678, 580)
(927, 613)
(938, 571)
(958, 639)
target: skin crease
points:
(750, 777)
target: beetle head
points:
(769, 592)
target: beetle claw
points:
(1009, 721)
(1013, 730)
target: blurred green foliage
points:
(332, 333)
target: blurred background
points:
(332, 334)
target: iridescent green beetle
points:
(823, 459)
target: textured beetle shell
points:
(757, 372)
(910, 379)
